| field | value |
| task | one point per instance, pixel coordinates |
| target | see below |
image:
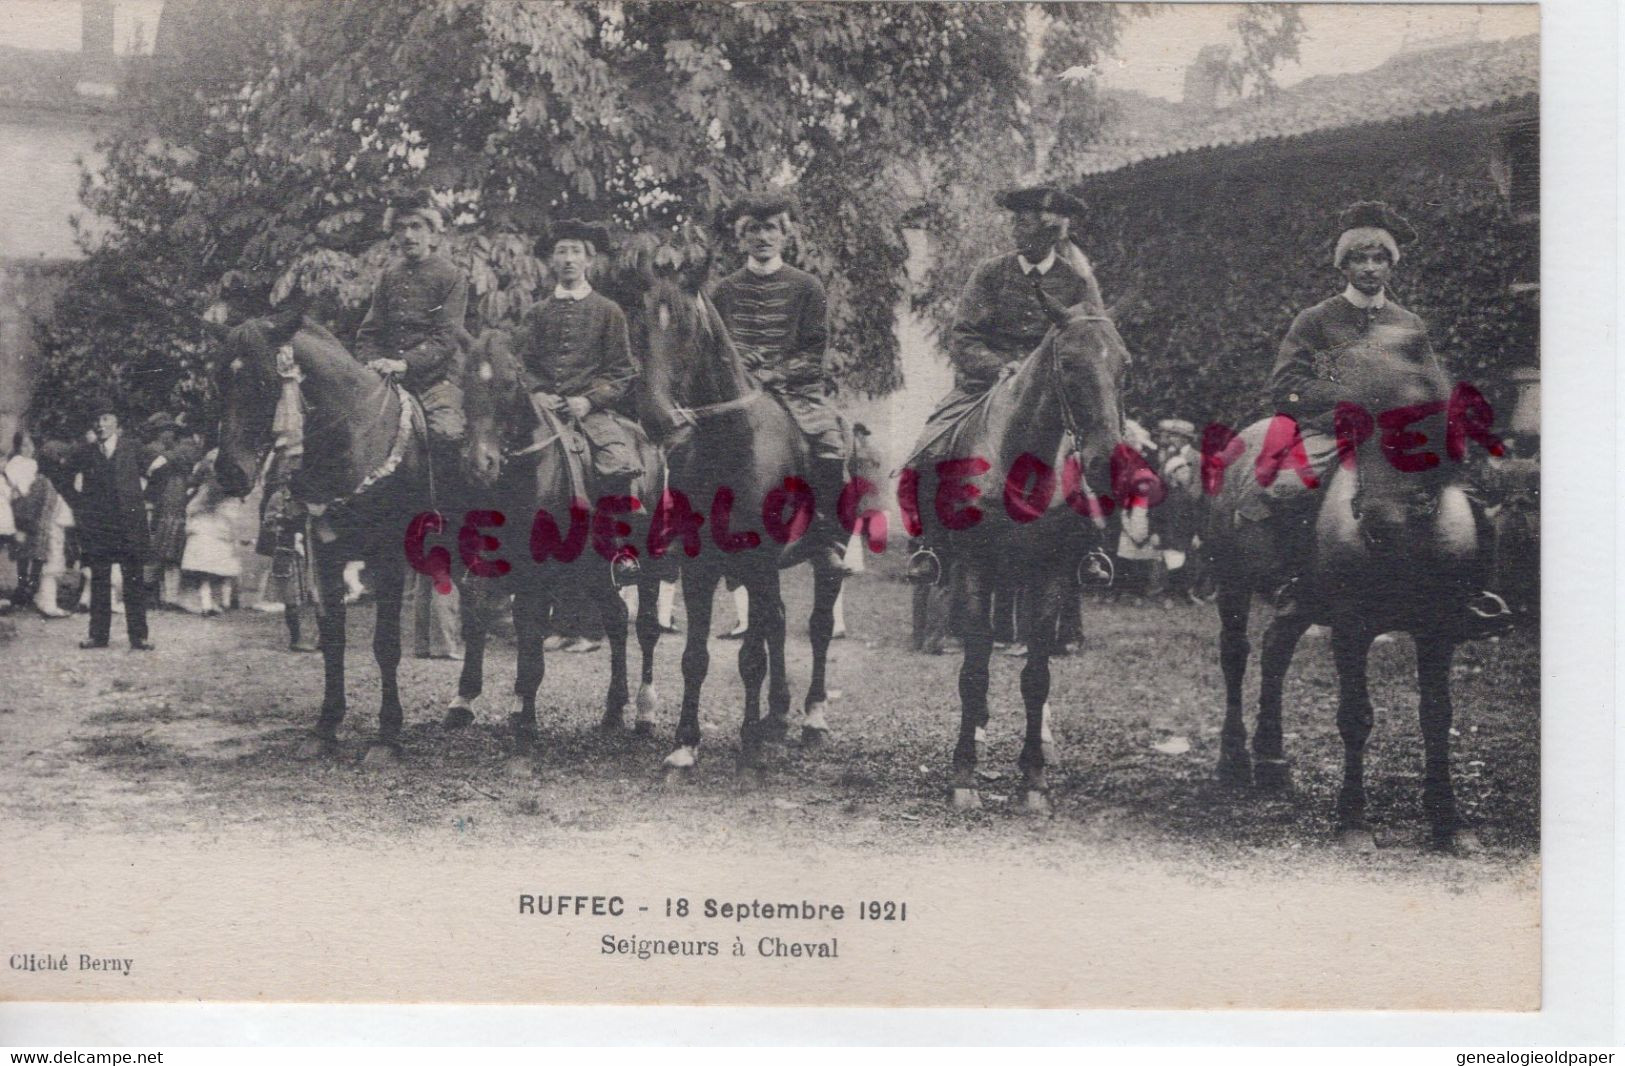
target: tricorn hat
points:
(418, 202)
(1039, 198)
(1374, 214)
(764, 204)
(572, 229)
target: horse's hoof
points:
(519, 767)
(613, 721)
(1357, 840)
(382, 756)
(684, 757)
(965, 799)
(317, 746)
(1272, 775)
(643, 728)
(458, 717)
(981, 742)
(750, 776)
(815, 726)
(1235, 771)
(1035, 803)
(648, 706)
(1461, 843)
(774, 728)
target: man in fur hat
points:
(777, 316)
(414, 327)
(1304, 383)
(576, 360)
(1002, 318)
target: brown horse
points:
(522, 469)
(1392, 550)
(1038, 440)
(365, 468)
(735, 450)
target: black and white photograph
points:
(823, 504)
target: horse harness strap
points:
(411, 418)
(721, 407)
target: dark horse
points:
(734, 449)
(1392, 550)
(365, 468)
(533, 473)
(1037, 442)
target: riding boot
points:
(828, 537)
(445, 465)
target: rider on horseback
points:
(1304, 384)
(777, 318)
(1002, 317)
(414, 328)
(576, 362)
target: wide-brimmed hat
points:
(1039, 198)
(763, 204)
(105, 403)
(1177, 425)
(572, 229)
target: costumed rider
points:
(1001, 319)
(576, 363)
(414, 330)
(1304, 383)
(777, 316)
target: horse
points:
(365, 470)
(727, 440)
(1392, 549)
(526, 472)
(1056, 417)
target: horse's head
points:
(491, 388)
(249, 387)
(1091, 359)
(1398, 496)
(691, 360)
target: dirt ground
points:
(203, 735)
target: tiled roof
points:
(1459, 77)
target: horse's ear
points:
(280, 327)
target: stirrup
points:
(924, 567)
(1486, 607)
(624, 569)
(1095, 570)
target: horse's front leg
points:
(1433, 656)
(761, 657)
(1040, 613)
(477, 599)
(390, 580)
(699, 586)
(1234, 602)
(531, 603)
(820, 629)
(1350, 647)
(612, 610)
(1270, 769)
(330, 622)
(976, 633)
(648, 625)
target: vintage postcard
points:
(771, 504)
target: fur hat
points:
(763, 205)
(1177, 425)
(1368, 222)
(419, 202)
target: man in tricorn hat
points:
(1304, 383)
(1002, 318)
(777, 316)
(576, 359)
(414, 327)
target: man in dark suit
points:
(103, 486)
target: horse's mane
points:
(713, 371)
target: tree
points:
(265, 170)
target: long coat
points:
(108, 506)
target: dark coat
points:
(108, 508)
(1304, 382)
(416, 315)
(1000, 318)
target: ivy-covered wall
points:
(1222, 247)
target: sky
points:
(1338, 38)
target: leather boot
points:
(829, 538)
(624, 568)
